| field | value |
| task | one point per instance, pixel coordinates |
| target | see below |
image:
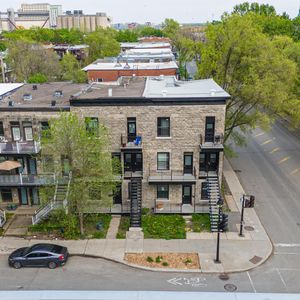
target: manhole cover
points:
(229, 287)
(224, 276)
(255, 259)
(249, 228)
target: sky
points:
(155, 11)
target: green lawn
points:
(123, 227)
(163, 227)
(58, 224)
(200, 222)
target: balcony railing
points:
(165, 207)
(212, 142)
(135, 144)
(172, 176)
(28, 147)
(27, 180)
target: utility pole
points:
(219, 204)
(242, 216)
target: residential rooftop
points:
(40, 95)
(146, 45)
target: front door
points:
(32, 166)
(117, 196)
(188, 163)
(209, 129)
(23, 196)
(209, 161)
(34, 196)
(133, 162)
(187, 194)
(131, 129)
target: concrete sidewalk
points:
(236, 253)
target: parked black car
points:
(39, 255)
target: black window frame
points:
(1, 128)
(163, 131)
(168, 161)
(6, 191)
(162, 194)
(92, 124)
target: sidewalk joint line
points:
(251, 282)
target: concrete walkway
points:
(113, 227)
(236, 253)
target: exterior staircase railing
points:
(45, 210)
(136, 202)
(2, 217)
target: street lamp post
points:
(219, 204)
(242, 217)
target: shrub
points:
(188, 261)
(165, 264)
(38, 78)
(158, 259)
(149, 259)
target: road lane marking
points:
(259, 134)
(274, 150)
(266, 142)
(251, 282)
(193, 281)
(284, 159)
(287, 253)
(281, 278)
(286, 245)
(295, 171)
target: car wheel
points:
(52, 265)
(17, 265)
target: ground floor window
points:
(6, 195)
(162, 191)
(204, 191)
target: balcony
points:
(171, 176)
(134, 145)
(27, 147)
(212, 142)
(27, 180)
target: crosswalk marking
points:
(259, 134)
(295, 171)
(274, 150)
(267, 142)
(284, 159)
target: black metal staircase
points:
(136, 202)
(214, 194)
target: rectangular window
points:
(15, 131)
(163, 161)
(116, 163)
(45, 129)
(162, 191)
(129, 190)
(163, 127)
(1, 129)
(28, 135)
(131, 129)
(6, 195)
(92, 124)
(204, 191)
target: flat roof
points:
(170, 87)
(130, 66)
(42, 96)
(6, 88)
(146, 45)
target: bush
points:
(165, 264)
(158, 259)
(188, 261)
(149, 259)
(38, 78)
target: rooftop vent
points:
(58, 93)
(34, 87)
(109, 92)
(161, 77)
(27, 97)
(11, 103)
(164, 93)
(53, 102)
(212, 92)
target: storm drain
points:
(224, 276)
(229, 287)
(249, 228)
(255, 259)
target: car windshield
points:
(26, 250)
(57, 249)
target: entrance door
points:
(209, 161)
(209, 129)
(133, 162)
(34, 196)
(117, 197)
(186, 194)
(131, 129)
(188, 163)
(32, 166)
(23, 196)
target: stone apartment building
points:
(166, 132)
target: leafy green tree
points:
(85, 148)
(27, 59)
(150, 31)
(71, 69)
(127, 36)
(102, 43)
(37, 78)
(250, 67)
(170, 28)
(262, 9)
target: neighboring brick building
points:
(111, 71)
(169, 133)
